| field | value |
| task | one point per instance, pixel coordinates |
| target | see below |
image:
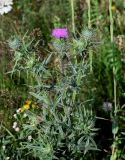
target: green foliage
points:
(70, 79)
(67, 126)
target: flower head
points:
(28, 102)
(17, 129)
(29, 138)
(114, 8)
(60, 33)
(14, 125)
(26, 106)
(18, 110)
(15, 115)
(5, 6)
(107, 106)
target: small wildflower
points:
(26, 106)
(114, 8)
(7, 158)
(28, 102)
(17, 129)
(18, 110)
(14, 125)
(29, 138)
(4, 147)
(5, 6)
(60, 33)
(15, 116)
(107, 106)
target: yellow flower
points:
(28, 102)
(22, 110)
(114, 8)
(26, 106)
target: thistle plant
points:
(62, 91)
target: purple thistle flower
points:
(60, 33)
